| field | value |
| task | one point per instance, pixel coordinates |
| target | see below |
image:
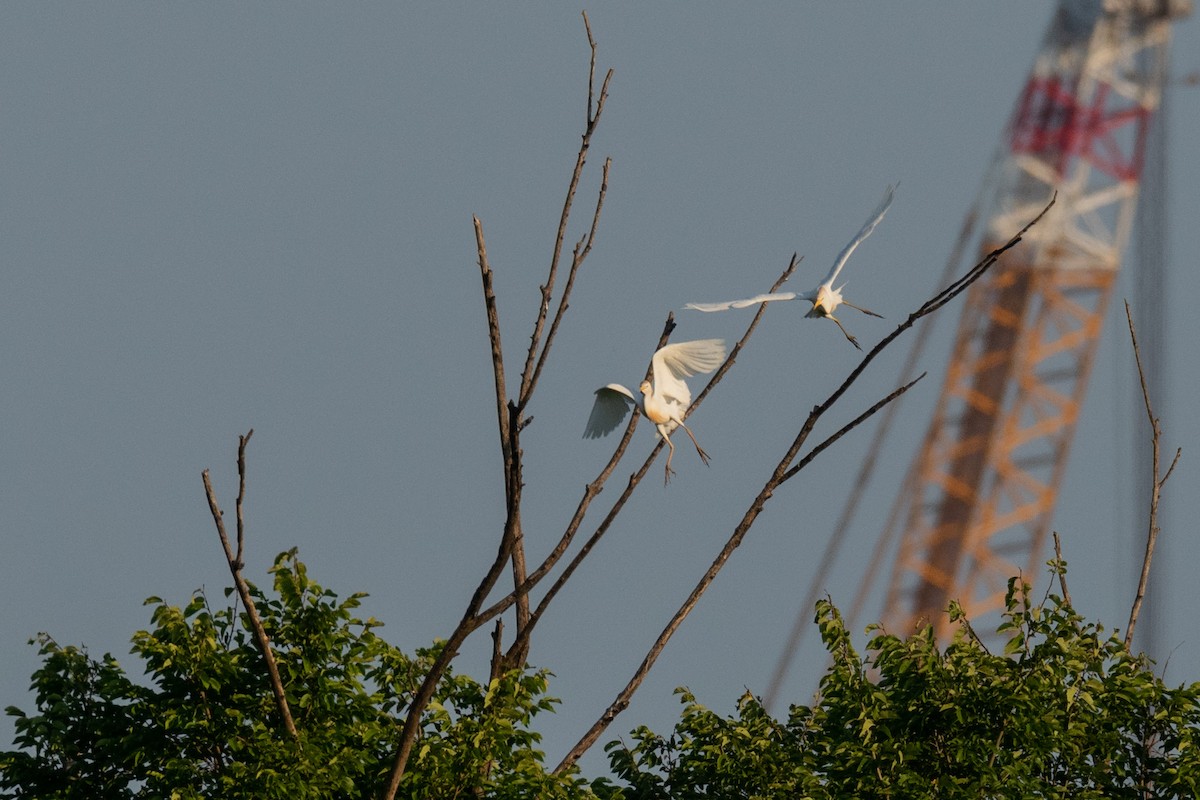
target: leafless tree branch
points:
(243, 589)
(582, 248)
(493, 319)
(1156, 484)
(849, 426)
(781, 473)
(511, 421)
(528, 379)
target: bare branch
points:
(521, 644)
(1156, 484)
(243, 589)
(741, 343)
(511, 422)
(849, 426)
(493, 318)
(933, 304)
(582, 249)
(241, 521)
(587, 26)
(467, 625)
(528, 380)
(778, 476)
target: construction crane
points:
(977, 503)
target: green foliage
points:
(205, 723)
(1066, 712)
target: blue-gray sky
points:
(217, 217)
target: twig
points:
(235, 568)
(493, 319)
(1061, 570)
(1156, 484)
(781, 473)
(528, 377)
(582, 248)
(520, 649)
(533, 369)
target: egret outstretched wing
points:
(675, 362)
(612, 404)
(749, 301)
(874, 219)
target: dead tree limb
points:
(511, 421)
(529, 374)
(243, 589)
(1156, 484)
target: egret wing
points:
(749, 301)
(673, 363)
(874, 219)
(611, 405)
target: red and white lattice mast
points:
(976, 506)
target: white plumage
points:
(664, 398)
(825, 298)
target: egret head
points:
(646, 388)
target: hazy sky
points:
(225, 216)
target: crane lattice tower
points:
(977, 503)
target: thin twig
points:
(781, 473)
(1061, 569)
(241, 520)
(582, 248)
(587, 26)
(493, 319)
(235, 569)
(741, 343)
(547, 290)
(1156, 484)
(849, 426)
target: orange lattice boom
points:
(979, 498)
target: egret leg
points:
(699, 449)
(670, 452)
(863, 310)
(853, 341)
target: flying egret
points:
(825, 299)
(665, 398)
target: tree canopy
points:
(1065, 711)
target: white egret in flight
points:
(665, 398)
(825, 298)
